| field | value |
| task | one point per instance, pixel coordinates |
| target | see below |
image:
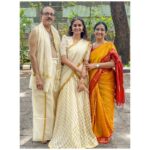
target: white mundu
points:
(44, 102)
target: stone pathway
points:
(120, 138)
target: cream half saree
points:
(73, 123)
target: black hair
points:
(103, 23)
(84, 33)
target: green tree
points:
(92, 20)
(25, 24)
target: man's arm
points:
(33, 57)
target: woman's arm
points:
(86, 60)
(66, 61)
(109, 64)
(84, 74)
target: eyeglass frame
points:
(47, 14)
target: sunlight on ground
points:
(125, 136)
(23, 94)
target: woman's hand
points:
(90, 66)
(79, 70)
(81, 86)
(84, 74)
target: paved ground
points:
(120, 138)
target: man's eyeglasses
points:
(47, 14)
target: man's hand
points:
(39, 82)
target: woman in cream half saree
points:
(106, 84)
(73, 127)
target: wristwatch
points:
(97, 65)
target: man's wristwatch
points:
(97, 65)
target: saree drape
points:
(73, 122)
(105, 86)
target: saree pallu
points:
(105, 86)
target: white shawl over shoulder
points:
(44, 55)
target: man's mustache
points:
(49, 19)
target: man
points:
(44, 53)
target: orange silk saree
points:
(106, 86)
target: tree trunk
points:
(122, 38)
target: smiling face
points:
(100, 31)
(47, 16)
(77, 27)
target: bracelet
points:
(97, 65)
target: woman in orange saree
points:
(106, 84)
